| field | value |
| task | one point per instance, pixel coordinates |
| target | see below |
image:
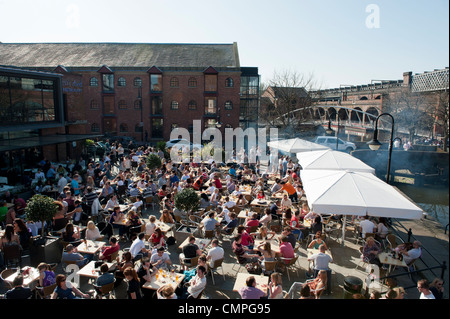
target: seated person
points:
(108, 251)
(317, 242)
(71, 255)
(138, 247)
(189, 251)
(160, 259)
(227, 229)
(412, 254)
(106, 277)
(195, 286)
(69, 235)
(250, 291)
(241, 252)
(46, 275)
(19, 291)
(252, 222)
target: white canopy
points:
(355, 193)
(295, 145)
(329, 159)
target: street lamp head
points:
(218, 124)
(374, 144)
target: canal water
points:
(434, 200)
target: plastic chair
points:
(5, 274)
(189, 262)
(217, 264)
(269, 267)
(12, 255)
(289, 263)
(45, 292)
(105, 291)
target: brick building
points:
(142, 90)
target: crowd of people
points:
(92, 197)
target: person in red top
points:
(247, 240)
(107, 251)
(295, 225)
(217, 183)
(252, 221)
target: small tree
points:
(41, 208)
(153, 161)
(187, 200)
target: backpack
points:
(170, 241)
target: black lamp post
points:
(141, 124)
(375, 145)
(329, 130)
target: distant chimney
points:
(407, 79)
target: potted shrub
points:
(153, 161)
(43, 208)
(187, 200)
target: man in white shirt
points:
(138, 246)
(61, 183)
(160, 259)
(215, 253)
(367, 226)
(196, 284)
(412, 254)
(229, 203)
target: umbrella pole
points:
(344, 223)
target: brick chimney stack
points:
(407, 79)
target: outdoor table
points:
(385, 258)
(90, 271)
(163, 278)
(165, 227)
(242, 277)
(33, 275)
(92, 247)
(259, 203)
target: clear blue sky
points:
(327, 38)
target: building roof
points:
(50, 55)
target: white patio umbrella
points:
(329, 159)
(296, 145)
(355, 193)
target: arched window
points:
(94, 105)
(93, 81)
(229, 83)
(192, 82)
(137, 104)
(174, 105)
(95, 127)
(137, 82)
(364, 98)
(192, 105)
(122, 104)
(174, 82)
(228, 105)
(121, 82)
(123, 128)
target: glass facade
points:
(28, 100)
(249, 89)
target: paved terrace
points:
(345, 257)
